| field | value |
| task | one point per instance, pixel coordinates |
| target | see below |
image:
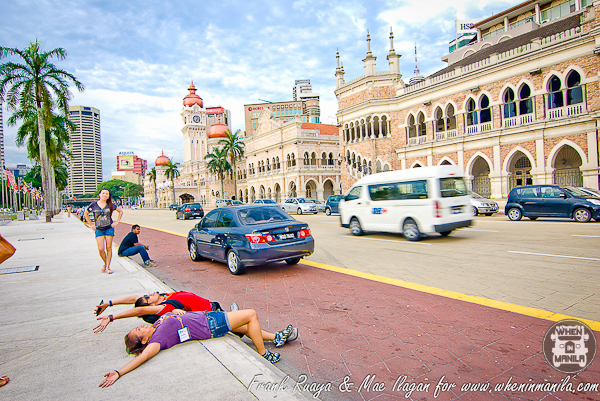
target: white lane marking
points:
(471, 229)
(589, 236)
(555, 256)
(388, 240)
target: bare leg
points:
(248, 318)
(266, 336)
(109, 241)
(100, 242)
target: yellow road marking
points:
(523, 310)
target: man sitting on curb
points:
(146, 341)
(131, 246)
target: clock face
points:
(196, 119)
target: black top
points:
(128, 242)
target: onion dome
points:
(218, 130)
(192, 99)
(161, 160)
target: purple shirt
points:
(167, 336)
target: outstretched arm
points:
(111, 377)
(144, 310)
(129, 300)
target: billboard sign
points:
(463, 26)
(125, 163)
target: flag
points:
(11, 180)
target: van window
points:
(399, 190)
(453, 186)
(354, 193)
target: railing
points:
(449, 134)
(515, 121)
(567, 111)
(494, 33)
(478, 128)
(417, 140)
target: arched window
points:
(384, 126)
(306, 160)
(293, 160)
(353, 160)
(324, 159)
(450, 118)
(555, 96)
(472, 112)
(370, 170)
(268, 165)
(369, 128)
(525, 102)
(486, 112)
(288, 161)
(362, 129)
(352, 137)
(439, 120)
(365, 166)
(348, 161)
(421, 126)
(575, 92)
(378, 167)
(358, 163)
(510, 108)
(330, 161)
(346, 133)
(376, 127)
(278, 164)
(313, 159)
(412, 129)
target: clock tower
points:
(193, 117)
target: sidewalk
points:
(50, 352)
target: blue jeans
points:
(134, 250)
(109, 232)
(218, 322)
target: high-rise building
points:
(218, 115)
(85, 167)
(301, 86)
(2, 161)
(127, 161)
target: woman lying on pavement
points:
(146, 341)
(151, 307)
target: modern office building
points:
(127, 161)
(518, 106)
(218, 115)
(85, 167)
(301, 86)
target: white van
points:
(416, 201)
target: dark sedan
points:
(250, 235)
(188, 210)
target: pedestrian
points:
(146, 341)
(131, 246)
(104, 225)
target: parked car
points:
(481, 205)
(587, 191)
(320, 205)
(173, 206)
(135, 207)
(299, 206)
(535, 201)
(332, 205)
(188, 210)
(249, 235)
(228, 202)
(265, 201)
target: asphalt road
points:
(548, 264)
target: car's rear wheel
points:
(582, 215)
(328, 211)
(355, 227)
(293, 261)
(474, 211)
(410, 229)
(299, 211)
(515, 214)
(234, 264)
(194, 252)
(533, 218)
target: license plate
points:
(456, 209)
(287, 236)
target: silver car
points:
(299, 206)
(320, 205)
(481, 205)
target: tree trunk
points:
(46, 185)
(222, 179)
(234, 177)
(174, 201)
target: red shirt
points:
(191, 302)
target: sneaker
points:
(272, 357)
(234, 306)
(282, 336)
(150, 263)
(293, 336)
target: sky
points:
(136, 59)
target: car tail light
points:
(259, 238)
(187, 209)
(437, 212)
(304, 233)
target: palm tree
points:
(218, 164)
(172, 172)
(39, 84)
(234, 148)
(152, 177)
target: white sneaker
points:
(234, 306)
(150, 263)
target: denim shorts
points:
(109, 232)
(218, 322)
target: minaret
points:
(370, 67)
(339, 72)
(392, 57)
(417, 77)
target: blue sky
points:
(136, 58)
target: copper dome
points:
(161, 160)
(192, 99)
(218, 131)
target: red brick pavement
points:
(357, 328)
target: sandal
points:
(4, 380)
(108, 271)
(103, 269)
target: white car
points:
(299, 206)
(135, 207)
(481, 205)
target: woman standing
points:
(104, 225)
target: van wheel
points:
(293, 261)
(234, 264)
(474, 211)
(299, 211)
(515, 214)
(582, 215)
(355, 227)
(328, 211)
(411, 230)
